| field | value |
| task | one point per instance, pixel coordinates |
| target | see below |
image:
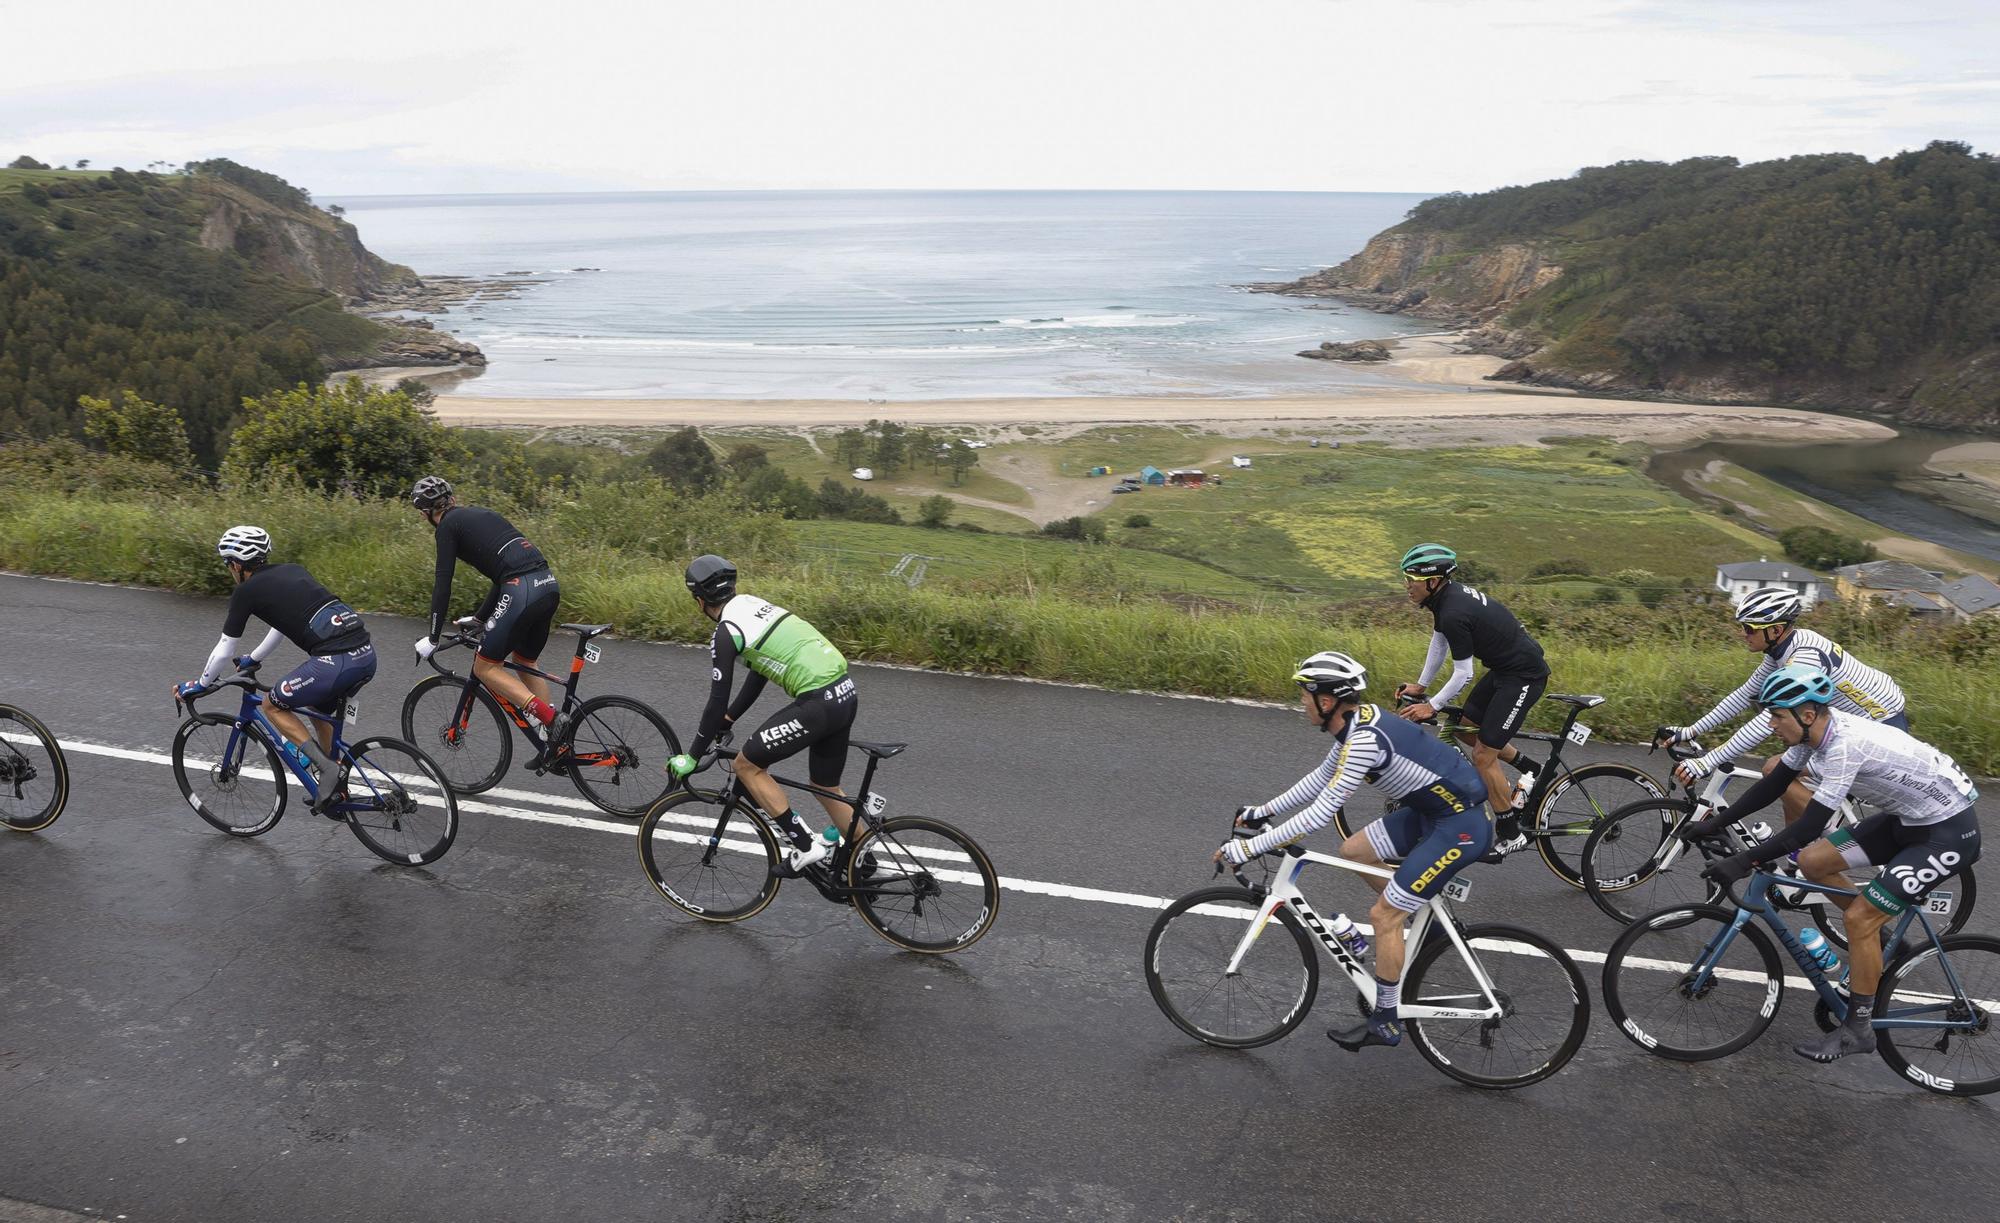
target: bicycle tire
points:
(1632, 967)
(226, 778)
(1969, 994)
(1595, 791)
(1441, 1041)
(1621, 863)
(429, 712)
(1186, 994)
(24, 813)
(693, 863)
(885, 857)
(393, 817)
(620, 786)
(1963, 884)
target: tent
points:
(1152, 475)
(1100, 471)
(1188, 477)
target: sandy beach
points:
(1975, 461)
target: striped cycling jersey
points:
(1884, 767)
(1857, 688)
(1395, 756)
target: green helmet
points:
(1429, 561)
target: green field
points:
(813, 461)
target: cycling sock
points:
(1861, 1015)
(1507, 826)
(1524, 764)
(1388, 995)
(541, 711)
(795, 828)
(320, 760)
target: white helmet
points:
(1769, 605)
(1333, 673)
(245, 545)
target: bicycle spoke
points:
(1936, 1026)
(1190, 946)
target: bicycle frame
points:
(1283, 893)
(585, 653)
(252, 720)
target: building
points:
(1918, 604)
(1971, 596)
(1881, 581)
(1745, 576)
(1152, 475)
(1187, 477)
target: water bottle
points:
(1760, 831)
(297, 755)
(1822, 953)
(1350, 935)
(830, 835)
(1523, 787)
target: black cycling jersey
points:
(487, 542)
(1478, 626)
(290, 600)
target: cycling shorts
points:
(520, 620)
(1914, 858)
(323, 681)
(820, 720)
(1435, 834)
(1498, 705)
(1901, 721)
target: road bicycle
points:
(228, 768)
(1566, 803)
(918, 882)
(1703, 981)
(1637, 862)
(1490, 1005)
(34, 777)
(617, 748)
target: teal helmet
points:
(1794, 685)
(1429, 561)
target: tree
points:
(889, 446)
(335, 211)
(775, 489)
(1086, 530)
(746, 457)
(849, 447)
(1824, 549)
(962, 458)
(83, 163)
(683, 460)
(25, 162)
(340, 438)
(935, 511)
(125, 424)
(419, 391)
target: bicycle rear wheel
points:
(710, 859)
(1546, 1007)
(229, 774)
(1959, 992)
(1678, 985)
(34, 777)
(470, 742)
(398, 802)
(619, 750)
(1575, 802)
(1632, 863)
(1269, 994)
(922, 884)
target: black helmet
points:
(711, 579)
(430, 492)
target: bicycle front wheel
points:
(229, 774)
(1950, 1003)
(707, 858)
(1268, 995)
(1575, 803)
(1633, 863)
(1545, 1007)
(1680, 984)
(461, 730)
(922, 884)
(619, 750)
(34, 777)
(398, 802)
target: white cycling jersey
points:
(1884, 767)
(1857, 688)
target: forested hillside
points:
(192, 289)
(1825, 279)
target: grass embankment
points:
(619, 556)
(814, 460)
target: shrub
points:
(127, 425)
(1635, 577)
(683, 460)
(1605, 594)
(339, 438)
(1138, 521)
(1824, 549)
(1564, 566)
(1087, 530)
(935, 511)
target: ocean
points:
(893, 295)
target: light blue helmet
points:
(1794, 685)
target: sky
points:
(365, 97)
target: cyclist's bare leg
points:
(842, 814)
(291, 725)
(1822, 863)
(1387, 919)
(1357, 849)
(536, 684)
(501, 682)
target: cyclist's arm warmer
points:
(1433, 659)
(1736, 702)
(1362, 754)
(1461, 675)
(1747, 736)
(1761, 792)
(484, 611)
(217, 657)
(722, 654)
(753, 687)
(1300, 796)
(447, 542)
(264, 647)
(1796, 835)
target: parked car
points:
(1125, 488)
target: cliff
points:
(1828, 281)
(302, 245)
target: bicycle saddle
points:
(588, 630)
(881, 751)
(1581, 702)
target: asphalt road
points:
(194, 1027)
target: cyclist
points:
(1767, 618)
(1924, 831)
(1438, 830)
(776, 645)
(1468, 625)
(339, 656)
(517, 611)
